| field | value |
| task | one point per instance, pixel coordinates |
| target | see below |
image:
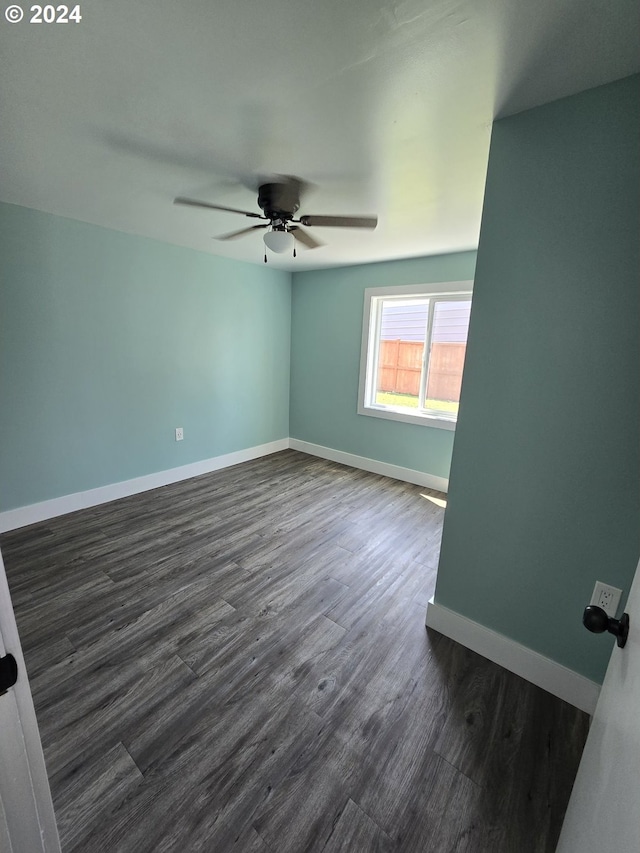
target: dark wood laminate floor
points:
(239, 663)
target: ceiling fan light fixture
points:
(279, 241)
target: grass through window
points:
(410, 402)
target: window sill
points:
(391, 414)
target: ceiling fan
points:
(279, 201)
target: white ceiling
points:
(386, 107)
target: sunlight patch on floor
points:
(436, 501)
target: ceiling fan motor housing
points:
(279, 201)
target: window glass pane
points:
(403, 327)
(446, 358)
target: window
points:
(414, 341)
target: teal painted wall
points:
(544, 490)
(109, 341)
(327, 308)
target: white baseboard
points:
(534, 667)
(22, 516)
(397, 472)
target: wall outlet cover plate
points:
(607, 597)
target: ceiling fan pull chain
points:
(265, 257)
(294, 251)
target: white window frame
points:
(370, 343)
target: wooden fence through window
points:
(400, 365)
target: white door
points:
(27, 821)
(604, 810)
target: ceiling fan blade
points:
(233, 234)
(190, 202)
(340, 221)
(304, 237)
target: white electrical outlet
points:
(179, 433)
(607, 597)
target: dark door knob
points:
(595, 619)
(8, 673)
